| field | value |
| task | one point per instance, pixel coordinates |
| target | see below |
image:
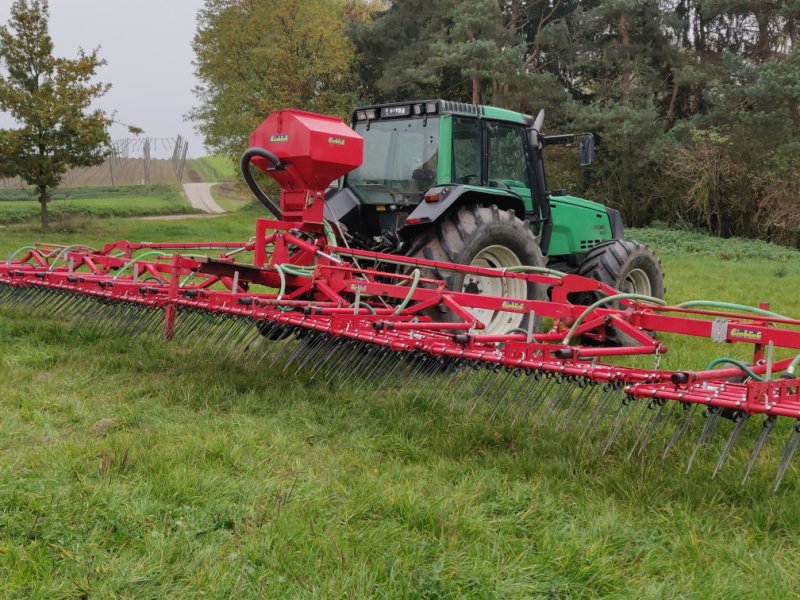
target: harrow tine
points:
(245, 329)
(522, 391)
(645, 432)
(661, 416)
(335, 343)
(302, 346)
(586, 404)
(275, 349)
(367, 353)
(788, 451)
(684, 425)
(610, 390)
(351, 353)
(428, 373)
(483, 387)
(244, 345)
(459, 371)
(400, 362)
(512, 378)
(472, 373)
(527, 395)
(713, 414)
(318, 350)
(576, 405)
(559, 389)
(740, 419)
(621, 421)
(769, 423)
(542, 403)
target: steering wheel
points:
(466, 178)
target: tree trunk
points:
(476, 91)
(44, 199)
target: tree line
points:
(695, 103)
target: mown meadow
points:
(71, 206)
(134, 468)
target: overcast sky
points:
(147, 44)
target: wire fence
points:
(130, 161)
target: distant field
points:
(19, 206)
(212, 168)
(124, 171)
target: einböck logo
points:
(281, 137)
(741, 333)
(336, 141)
(512, 305)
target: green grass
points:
(19, 206)
(134, 469)
(232, 198)
(213, 168)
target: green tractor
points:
(464, 183)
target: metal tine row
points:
(543, 399)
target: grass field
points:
(213, 168)
(131, 468)
(19, 206)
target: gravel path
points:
(199, 196)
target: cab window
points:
(508, 165)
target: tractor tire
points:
(488, 237)
(626, 265)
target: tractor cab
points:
(424, 159)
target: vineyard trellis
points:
(130, 161)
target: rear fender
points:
(453, 196)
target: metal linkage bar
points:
(303, 301)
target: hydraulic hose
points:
(731, 306)
(793, 365)
(603, 301)
(736, 363)
(530, 269)
(247, 157)
(411, 289)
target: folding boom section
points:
(294, 294)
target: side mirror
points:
(586, 149)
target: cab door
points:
(507, 160)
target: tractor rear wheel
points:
(626, 265)
(483, 236)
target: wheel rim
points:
(637, 282)
(496, 257)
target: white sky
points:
(147, 45)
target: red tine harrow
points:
(293, 296)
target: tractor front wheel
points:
(483, 236)
(626, 265)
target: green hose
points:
(133, 261)
(63, 252)
(528, 269)
(793, 365)
(282, 291)
(412, 288)
(731, 306)
(329, 235)
(606, 300)
(736, 363)
(14, 254)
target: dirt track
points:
(199, 196)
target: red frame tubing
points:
(326, 298)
